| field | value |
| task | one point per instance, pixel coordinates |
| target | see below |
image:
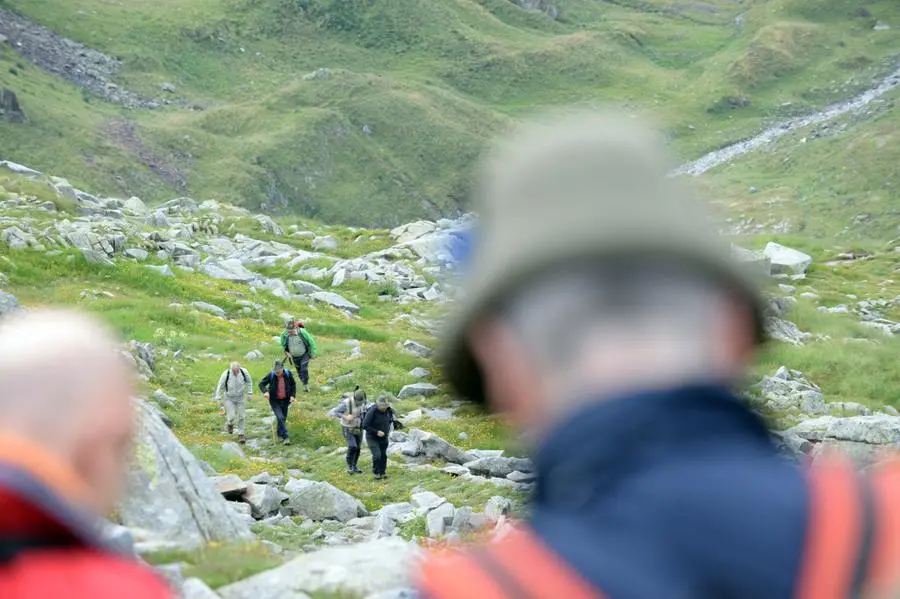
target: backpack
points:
(851, 549)
(228, 377)
(296, 344)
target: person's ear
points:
(737, 335)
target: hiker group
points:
(374, 421)
(278, 386)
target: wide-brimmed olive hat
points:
(580, 186)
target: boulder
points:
(866, 439)
(137, 253)
(462, 521)
(426, 501)
(432, 447)
(350, 570)
(789, 390)
(786, 260)
(334, 300)
(326, 243)
(418, 389)
(304, 287)
(264, 500)
(438, 519)
(419, 373)
(497, 507)
(323, 501)
(209, 309)
(228, 270)
(194, 588)
(135, 206)
(416, 349)
(268, 225)
(169, 494)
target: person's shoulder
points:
(90, 574)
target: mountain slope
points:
(411, 90)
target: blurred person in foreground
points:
(65, 438)
(603, 315)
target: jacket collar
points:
(26, 456)
(600, 445)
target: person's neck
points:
(45, 465)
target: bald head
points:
(65, 386)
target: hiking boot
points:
(357, 470)
(286, 441)
(379, 476)
(242, 439)
(351, 471)
(230, 429)
(306, 388)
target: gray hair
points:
(234, 365)
(558, 315)
(383, 400)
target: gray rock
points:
(120, 538)
(786, 260)
(334, 300)
(194, 588)
(18, 169)
(169, 494)
(339, 277)
(323, 501)
(160, 397)
(9, 304)
(438, 519)
(242, 508)
(264, 500)
(398, 512)
(462, 521)
(304, 287)
(418, 389)
(499, 467)
(416, 349)
(135, 206)
(521, 477)
(496, 507)
(97, 257)
(157, 219)
(456, 470)
(432, 447)
(352, 570)
(419, 373)
(254, 355)
(209, 309)
(234, 449)
(872, 430)
(789, 390)
(426, 501)
(326, 243)
(164, 269)
(172, 574)
(228, 270)
(268, 225)
(137, 254)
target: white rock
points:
(439, 519)
(787, 260)
(352, 570)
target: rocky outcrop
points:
(169, 495)
(322, 501)
(866, 439)
(355, 570)
(10, 111)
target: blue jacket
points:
(672, 495)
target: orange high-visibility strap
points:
(518, 567)
(840, 533)
(884, 571)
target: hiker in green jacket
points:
(300, 346)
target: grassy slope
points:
(431, 81)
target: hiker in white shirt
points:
(237, 387)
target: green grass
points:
(417, 88)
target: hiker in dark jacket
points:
(350, 412)
(377, 424)
(280, 388)
(604, 316)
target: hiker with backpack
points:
(279, 387)
(350, 412)
(299, 348)
(237, 387)
(377, 422)
(603, 315)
